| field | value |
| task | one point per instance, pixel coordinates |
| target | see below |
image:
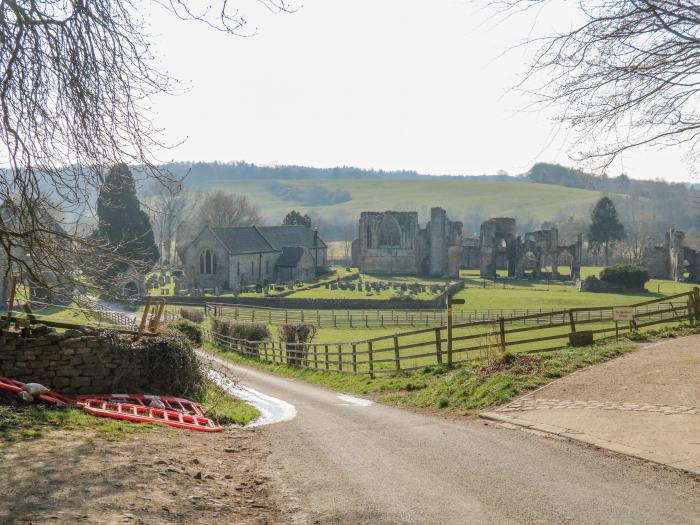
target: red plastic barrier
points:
(178, 412)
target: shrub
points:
(625, 274)
(191, 330)
(173, 366)
(295, 335)
(251, 332)
(165, 364)
(192, 314)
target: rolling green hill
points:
(460, 196)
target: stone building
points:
(393, 242)
(672, 260)
(235, 257)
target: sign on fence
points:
(623, 313)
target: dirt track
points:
(154, 478)
(376, 464)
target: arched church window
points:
(389, 232)
(207, 262)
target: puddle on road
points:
(272, 410)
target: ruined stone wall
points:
(74, 362)
(437, 231)
(389, 243)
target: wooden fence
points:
(395, 318)
(465, 342)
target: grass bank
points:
(21, 423)
(459, 389)
(462, 389)
(226, 409)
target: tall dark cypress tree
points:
(122, 222)
(605, 227)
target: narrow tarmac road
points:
(349, 463)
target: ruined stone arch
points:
(389, 232)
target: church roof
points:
(291, 235)
(265, 239)
(291, 255)
(245, 239)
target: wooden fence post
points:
(438, 346)
(572, 323)
(370, 359)
(315, 357)
(326, 353)
(159, 313)
(449, 333)
(354, 358)
(502, 330)
(397, 355)
(11, 300)
(146, 307)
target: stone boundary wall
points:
(73, 362)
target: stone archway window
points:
(389, 232)
(207, 262)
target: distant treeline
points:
(205, 172)
(658, 203)
(544, 173)
(315, 196)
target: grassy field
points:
(490, 198)
(534, 295)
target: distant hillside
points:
(470, 201)
(335, 197)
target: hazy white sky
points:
(392, 84)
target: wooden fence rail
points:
(404, 318)
(470, 341)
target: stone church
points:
(392, 242)
(231, 258)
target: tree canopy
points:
(76, 88)
(605, 226)
(295, 217)
(122, 222)
(624, 74)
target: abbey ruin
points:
(392, 242)
(672, 260)
(537, 254)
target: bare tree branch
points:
(627, 76)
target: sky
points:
(390, 84)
